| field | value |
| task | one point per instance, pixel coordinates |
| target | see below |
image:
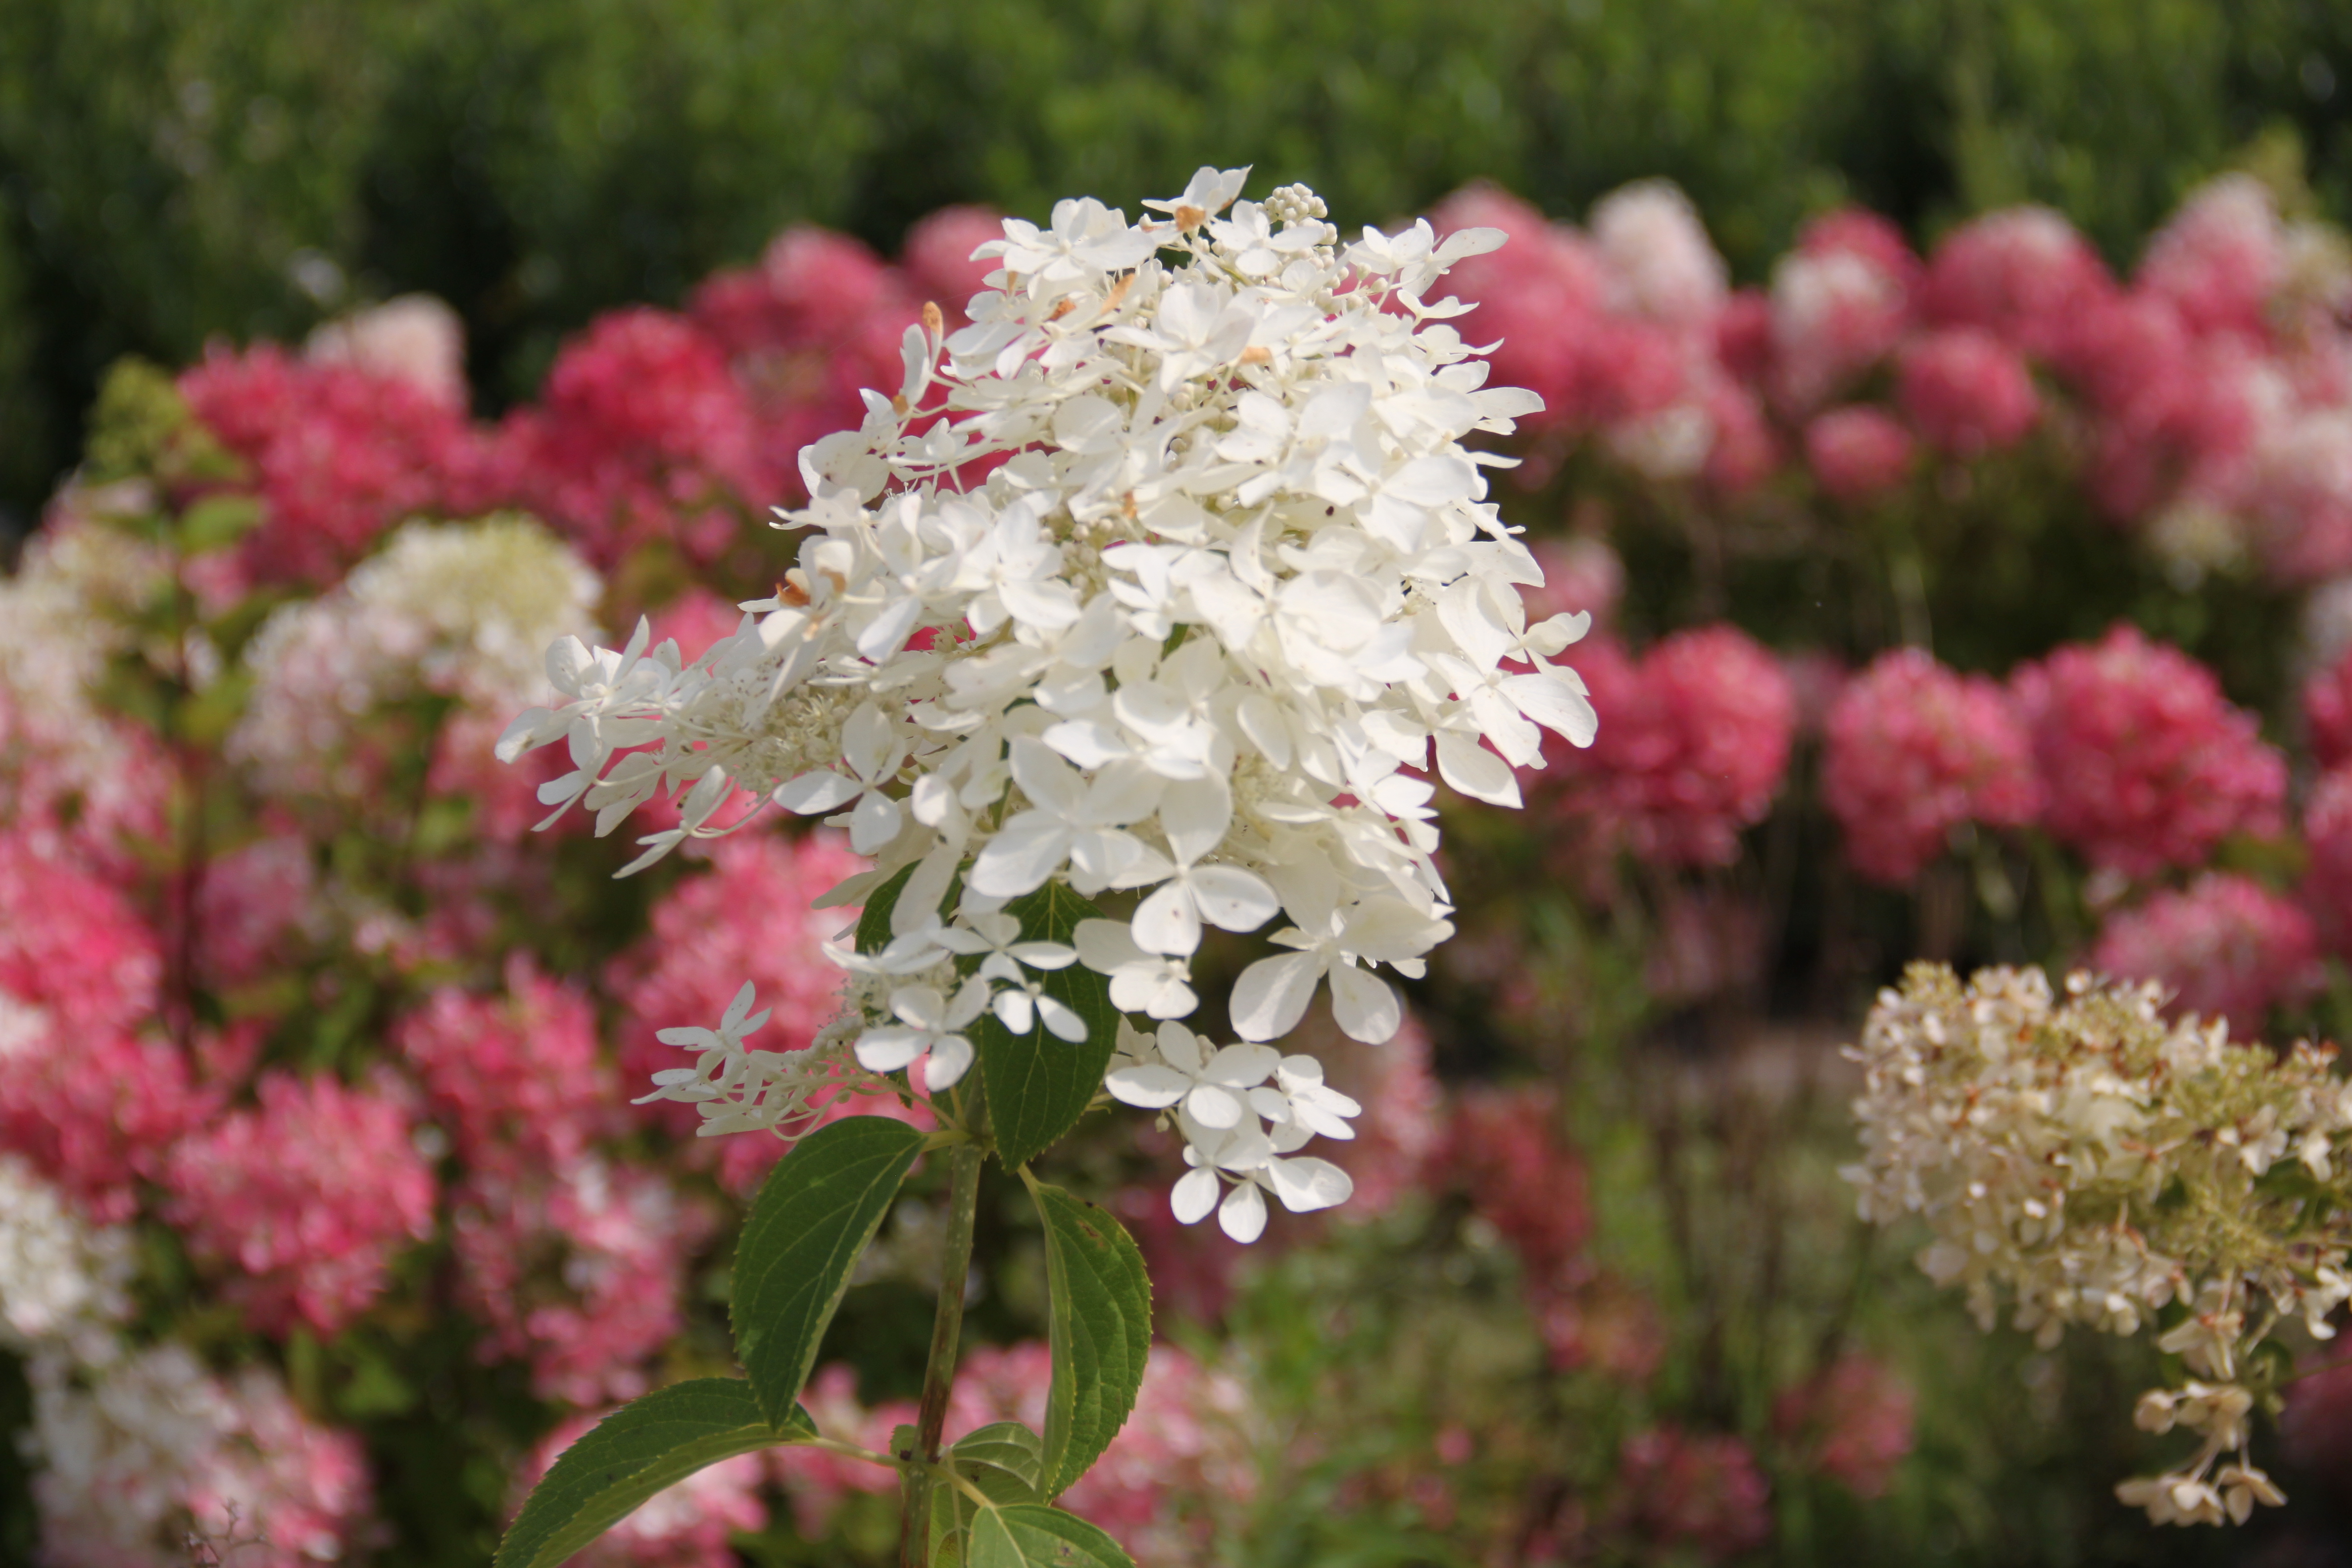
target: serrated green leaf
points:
(647, 1445)
(1038, 1083)
(1032, 1535)
(1008, 1446)
(1002, 1462)
(814, 1213)
(1099, 1323)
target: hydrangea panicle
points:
(2095, 1164)
(1230, 587)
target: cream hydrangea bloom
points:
(1169, 576)
(2095, 1164)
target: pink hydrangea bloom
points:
(2227, 947)
(1851, 1420)
(302, 1200)
(250, 905)
(338, 455)
(1858, 231)
(690, 1524)
(1664, 266)
(2023, 274)
(417, 338)
(517, 1077)
(2143, 762)
(303, 1489)
(1915, 749)
(1502, 1149)
(2220, 257)
(1692, 744)
(2327, 713)
(575, 1269)
(1835, 313)
(641, 433)
(1859, 453)
(1700, 1491)
(96, 1113)
(2328, 836)
(1744, 452)
(1967, 391)
(2299, 481)
(72, 950)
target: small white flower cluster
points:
(1168, 576)
(2102, 1165)
(63, 1282)
(458, 610)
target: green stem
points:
(938, 1372)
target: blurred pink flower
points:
(302, 1200)
(575, 1269)
(2143, 762)
(1914, 750)
(1858, 453)
(1581, 575)
(1700, 1491)
(249, 905)
(517, 1077)
(2327, 838)
(303, 1488)
(1852, 1420)
(1835, 311)
(2227, 947)
(1502, 1149)
(2022, 274)
(1692, 742)
(2220, 257)
(1967, 392)
(338, 455)
(641, 433)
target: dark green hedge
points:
(171, 171)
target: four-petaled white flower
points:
(873, 756)
(927, 1022)
(1211, 1087)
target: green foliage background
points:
(170, 172)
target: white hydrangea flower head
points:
(2096, 1164)
(64, 1283)
(1170, 579)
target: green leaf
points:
(1038, 1083)
(814, 1213)
(1007, 1447)
(1032, 1535)
(218, 520)
(874, 920)
(1098, 1306)
(1003, 1463)
(634, 1452)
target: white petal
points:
(1238, 1066)
(1242, 1213)
(1014, 1011)
(1271, 995)
(888, 1048)
(1181, 1047)
(1167, 921)
(1061, 1021)
(812, 793)
(1307, 1185)
(951, 1059)
(1105, 945)
(1028, 849)
(1044, 955)
(1556, 700)
(875, 822)
(1152, 1086)
(1476, 770)
(1194, 814)
(1230, 897)
(1364, 1005)
(1213, 1107)
(1195, 1195)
